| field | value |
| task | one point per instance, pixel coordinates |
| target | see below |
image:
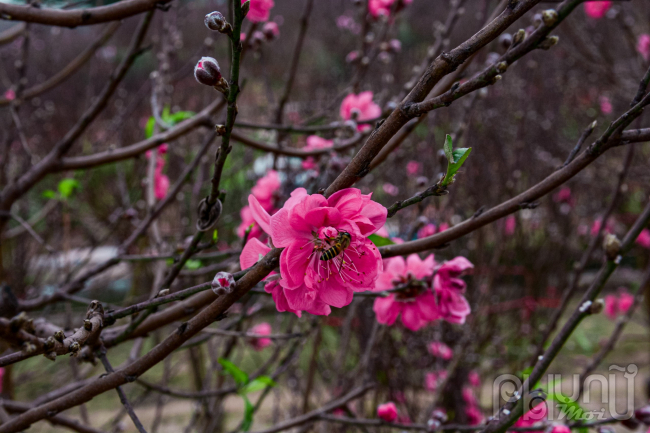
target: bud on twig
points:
(29, 348)
(88, 325)
(612, 246)
(549, 16)
(49, 343)
(217, 22)
(502, 67)
(505, 40)
(59, 336)
(207, 72)
(519, 37)
(220, 129)
(245, 8)
(74, 347)
(597, 306)
(208, 214)
(163, 292)
(548, 42)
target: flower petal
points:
(251, 253)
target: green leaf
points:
(215, 235)
(572, 410)
(48, 193)
(257, 384)
(241, 378)
(148, 129)
(380, 241)
(193, 264)
(249, 410)
(67, 186)
(178, 117)
(455, 160)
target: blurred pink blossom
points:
(271, 30)
(387, 411)
(611, 306)
(595, 227)
(643, 46)
(413, 167)
(533, 416)
(260, 329)
(644, 239)
(390, 189)
(452, 305)
(510, 225)
(160, 181)
(395, 45)
(616, 305)
(427, 230)
(474, 415)
(605, 105)
(363, 104)
(564, 196)
(352, 56)
(432, 379)
(383, 7)
(440, 350)
(260, 10)
(474, 379)
(265, 188)
(314, 142)
(625, 301)
(561, 428)
(10, 95)
(597, 9)
(442, 227)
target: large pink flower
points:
(260, 329)
(452, 305)
(260, 10)
(643, 46)
(363, 104)
(597, 9)
(307, 226)
(314, 142)
(416, 304)
(251, 254)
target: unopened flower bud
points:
(29, 348)
(59, 336)
(207, 71)
(505, 40)
(245, 8)
(271, 30)
(612, 246)
(163, 292)
(422, 181)
(217, 22)
(223, 283)
(643, 414)
(537, 20)
(220, 129)
(548, 42)
(208, 214)
(501, 67)
(597, 306)
(74, 347)
(496, 78)
(88, 325)
(519, 37)
(549, 17)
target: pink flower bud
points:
(261, 329)
(271, 30)
(215, 21)
(223, 283)
(207, 71)
(387, 411)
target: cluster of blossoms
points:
(260, 12)
(306, 227)
(264, 191)
(161, 181)
(615, 305)
(425, 295)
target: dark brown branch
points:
(56, 420)
(11, 33)
(79, 17)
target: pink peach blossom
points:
(305, 227)
(417, 304)
(532, 417)
(432, 379)
(260, 10)
(611, 307)
(605, 105)
(510, 225)
(352, 56)
(314, 142)
(271, 30)
(247, 219)
(10, 95)
(383, 232)
(625, 300)
(643, 46)
(644, 239)
(387, 411)
(383, 7)
(563, 196)
(363, 104)
(413, 167)
(452, 305)
(440, 350)
(473, 414)
(595, 227)
(474, 379)
(161, 181)
(597, 9)
(427, 230)
(390, 189)
(261, 329)
(442, 227)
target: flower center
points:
(410, 287)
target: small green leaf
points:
(148, 129)
(572, 410)
(455, 160)
(48, 193)
(449, 149)
(215, 235)
(249, 411)
(241, 378)
(380, 241)
(193, 264)
(178, 117)
(67, 186)
(257, 384)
